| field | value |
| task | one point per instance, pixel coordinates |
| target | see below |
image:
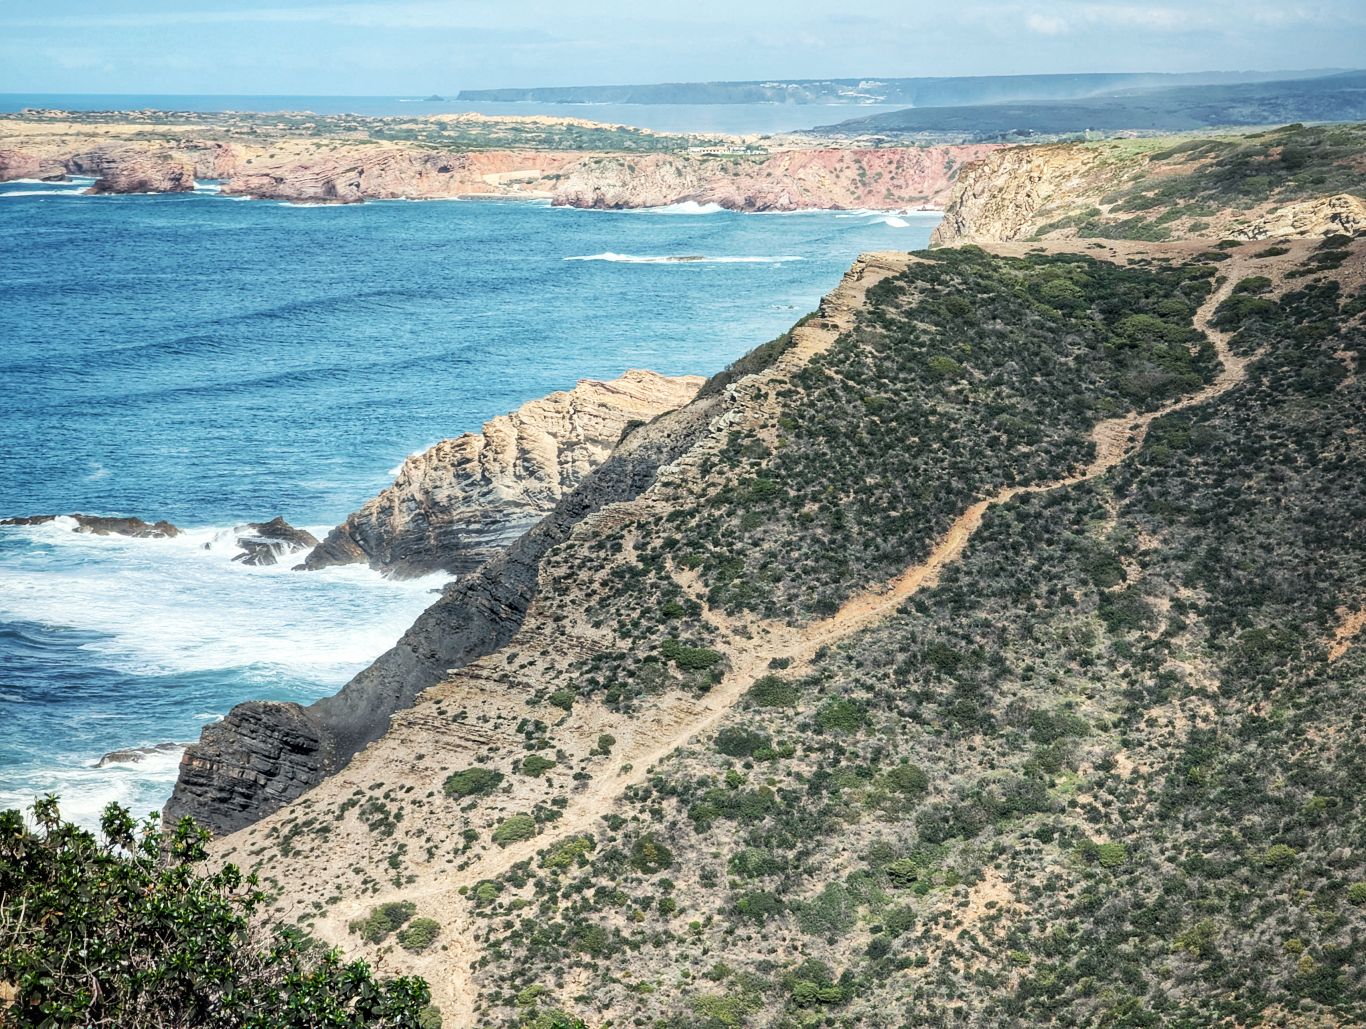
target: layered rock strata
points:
(262, 755)
(457, 503)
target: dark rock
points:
(99, 525)
(134, 754)
(221, 786)
(264, 543)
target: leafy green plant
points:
(419, 934)
(123, 929)
(472, 782)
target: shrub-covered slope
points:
(933, 683)
(1292, 181)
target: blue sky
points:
(422, 46)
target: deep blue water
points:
(211, 361)
(739, 119)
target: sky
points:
(424, 46)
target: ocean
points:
(728, 119)
(211, 361)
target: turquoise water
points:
(212, 361)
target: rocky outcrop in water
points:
(100, 525)
(456, 504)
(145, 173)
(265, 543)
(135, 755)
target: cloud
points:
(1046, 24)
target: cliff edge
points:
(457, 503)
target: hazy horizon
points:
(328, 48)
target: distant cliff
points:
(338, 169)
(457, 503)
(1292, 181)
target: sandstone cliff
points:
(457, 503)
(816, 178)
(343, 169)
(1293, 181)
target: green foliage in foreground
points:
(125, 930)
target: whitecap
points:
(7, 193)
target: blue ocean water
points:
(733, 119)
(213, 361)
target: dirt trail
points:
(753, 645)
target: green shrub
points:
(383, 920)
(688, 658)
(1356, 893)
(419, 934)
(909, 779)
(737, 741)
(648, 855)
(773, 691)
(570, 852)
(1279, 856)
(534, 764)
(841, 716)
(472, 782)
(514, 829)
(124, 931)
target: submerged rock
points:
(264, 543)
(100, 525)
(133, 755)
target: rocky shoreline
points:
(341, 171)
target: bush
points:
(772, 691)
(383, 920)
(419, 934)
(909, 779)
(472, 782)
(648, 855)
(1279, 856)
(514, 829)
(841, 716)
(690, 659)
(736, 741)
(124, 931)
(534, 764)
(1356, 893)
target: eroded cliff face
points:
(785, 181)
(263, 755)
(457, 503)
(342, 170)
(1004, 195)
(1296, 181)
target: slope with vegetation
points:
(971, 663)
(987, 650)
(1296, 180)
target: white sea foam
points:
(679, 259)
(85, 790)
(169, 606)
(42, 193)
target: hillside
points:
(1171, 108)
(1291, 181)
(982, 652)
